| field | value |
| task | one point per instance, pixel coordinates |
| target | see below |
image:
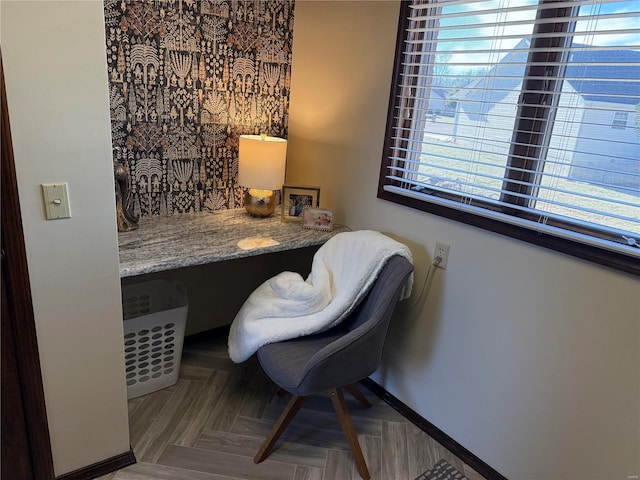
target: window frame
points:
(516, 163)
(620, 120)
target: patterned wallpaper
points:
(186, 79)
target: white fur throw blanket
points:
(287, 306)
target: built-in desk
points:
(171, 242)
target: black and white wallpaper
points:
(186, 79)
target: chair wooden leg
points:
(340, 407)
(289, 412)
(357, 394)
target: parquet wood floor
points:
(210, 424)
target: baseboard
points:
(434, 432)
(101, 468)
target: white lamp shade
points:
(262, 161)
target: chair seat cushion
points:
(286, 362)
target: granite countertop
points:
(170, 242)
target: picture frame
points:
(296, 198)
(317, 219)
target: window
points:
(620, 120)
(501, 113)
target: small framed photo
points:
(317, 219)
(295, 199)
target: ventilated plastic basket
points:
(155, 316)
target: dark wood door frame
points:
(25, 411)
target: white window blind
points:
(504, 109)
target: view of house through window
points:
(524, 108)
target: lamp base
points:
(260, 203)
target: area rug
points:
(442, 471)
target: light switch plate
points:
(56, 201)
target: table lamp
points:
(261, 165)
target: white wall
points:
(528, 358)
(56, 81)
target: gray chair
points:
(334, 360)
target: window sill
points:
(615, 260)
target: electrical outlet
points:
(442, 251)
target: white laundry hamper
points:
(155, 316)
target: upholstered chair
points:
(334, 360)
